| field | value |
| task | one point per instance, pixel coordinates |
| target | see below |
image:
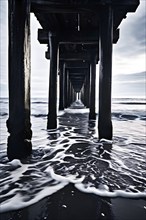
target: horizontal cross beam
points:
(77, 67)
(68, 56)
(76, 64)
(79, 6)
(69, 37)
(90, 36)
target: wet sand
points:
(71, 204)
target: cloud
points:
(3, 48)
(129, 85)
(128, 78)
(132, 40)
(129, 54)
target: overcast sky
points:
(129, 56)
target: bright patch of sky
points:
(129, 56)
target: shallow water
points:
(73, 154)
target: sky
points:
(129, 57)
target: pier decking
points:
(79, 34)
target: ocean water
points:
(73, 154)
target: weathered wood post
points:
(69, 93)
(66, 88)
(61, 87)
(74, 95)
(92, 113)
(105, 53)
(52, 114)
(18, 123)
(85, 91)
(88, 88)
(83, 94)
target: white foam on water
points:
(105, 141)
(60, 112)
(17, 201)
(73, 154)
(106, 193)
(75, 111)
(67, 179)
(15, 163)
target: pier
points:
(79, 35)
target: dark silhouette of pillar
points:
(74, 95)
(87, 89)
(92, 113)
(85, 92)
(69, 93)
(52, 115)
(18, 123)
(105, 43)
(82, 94)
(61, 87)
(66, 88)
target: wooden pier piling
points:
(18, 123)
(80, 43)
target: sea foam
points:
(73, 154)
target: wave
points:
(3, 113)
(130, 117)
(39, 102)
(3, 100)
(73, 154)
(39, 115)
(132, 103)
(83, 111)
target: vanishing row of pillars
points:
(18, 123)
(67, 94)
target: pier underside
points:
(79, 34)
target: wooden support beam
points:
(69, 94)
(77, 70)
(90, 36)
(83, 94)
(19, 126)
(116, 35)
(77, 64)
(52, 114)
(69, 37)
(105, 75)
(92, 113)
(89, 6)
(65, 87)
(87, 89)
(72, 56)
(61, 87)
